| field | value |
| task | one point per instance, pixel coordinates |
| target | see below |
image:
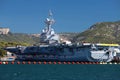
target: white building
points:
(4, 30)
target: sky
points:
(28, 16)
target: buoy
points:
(115, 63)
(23, 62)
(77, 63)
(85, 62)
(64, 63)
(89, 63)
(12, 62)
(34, 62)
(73, 62)
(29, 62)
(6, 62)
(0, 62)
(39, 62)
(3, 62)
(82, 62)
(97, 63)
(69, 63)
(105, 62)
(101, 62)
(93, 62)
(49, 62)
(18, 62)
(109, 63)
(59, 62)
(44, 62)
(54, 62)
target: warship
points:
(51, 48)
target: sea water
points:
(60, 72)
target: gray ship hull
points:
(66, 53)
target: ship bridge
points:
(48, 34)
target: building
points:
(4, 30)
(35, 35)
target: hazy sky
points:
(27, 16)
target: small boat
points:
(10, 58)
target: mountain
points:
(104, 32)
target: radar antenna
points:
(49, 21)
(50, 13)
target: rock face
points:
(105, 32)
(4, 30)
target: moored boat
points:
(52, 50)
(10, 58)
(83, 52)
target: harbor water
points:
(60, 72)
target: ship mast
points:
(49, 21)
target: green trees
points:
(2, 52)
(8, 44)
(19, 38)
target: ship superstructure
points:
(48, 34)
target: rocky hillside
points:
(19, 38)
(105, 32)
